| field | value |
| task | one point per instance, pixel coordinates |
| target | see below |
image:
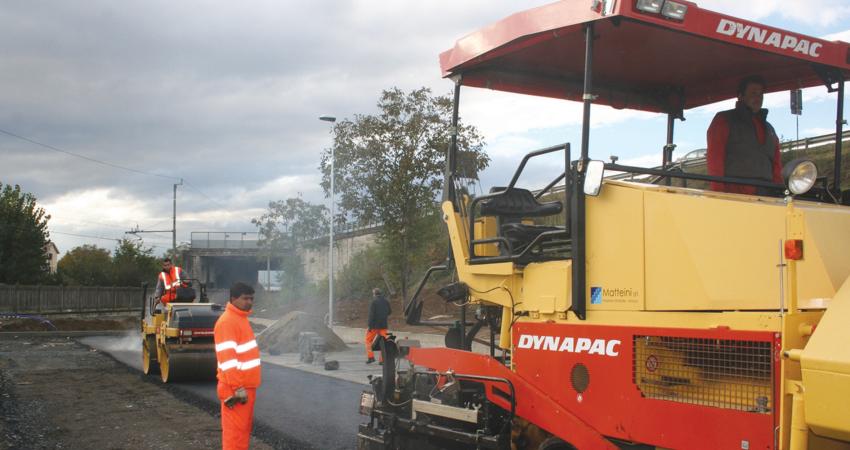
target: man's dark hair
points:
(376, 292)
(165, 260)
(746, 81)
(238, 289)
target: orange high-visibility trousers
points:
(371, 334)
(236, 422)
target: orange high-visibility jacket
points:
(170, 283)
(236, 350)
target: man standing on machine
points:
(168, 281)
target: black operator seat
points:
(511, 207)
(517, 203)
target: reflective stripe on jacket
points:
(236, 350)
(170, 282)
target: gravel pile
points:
(282, 336)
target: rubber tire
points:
(164, 366)
(150, 365)
(554, 443)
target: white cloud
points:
(818, 131)
(107, 205)
(499, 114)
(810, 12)
(840, 36)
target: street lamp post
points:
(331, 119)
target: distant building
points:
(52, 255)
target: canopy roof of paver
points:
(640, 60)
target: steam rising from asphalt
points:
(130, 342)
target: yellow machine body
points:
(691, 259)
(176, 351)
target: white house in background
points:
(52, 253)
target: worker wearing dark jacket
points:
(742, 144)
(239, 375)
(379, 310)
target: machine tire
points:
(150, 364)
(164, 365)
(554, 443)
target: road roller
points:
(177, 337)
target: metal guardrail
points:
(251, 240)
(225, 240)
(697, 158)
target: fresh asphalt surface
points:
(309, 408)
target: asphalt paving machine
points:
(177, 337)
(652, 315)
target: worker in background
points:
(379, 310)
(238, 368)
(742, 144)
(169, 279)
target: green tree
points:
(23, 237)
(86, 265)
(288, 223)
(389, 169)
(132, 264)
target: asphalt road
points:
(318, 411)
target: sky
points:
(226, 96)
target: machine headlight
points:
(674, 10)
(650, 6)
(800, 175)
(367, 402)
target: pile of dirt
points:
(282, 336)
(35, 323)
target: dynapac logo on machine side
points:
(765, 37)
(570, 344)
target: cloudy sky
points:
(226, 95)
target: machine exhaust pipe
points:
(144, 297)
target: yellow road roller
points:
(177, 337)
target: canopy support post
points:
(451, 157)
(579, 231)
(669, 147)
(839, 131)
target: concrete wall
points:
(315, 261)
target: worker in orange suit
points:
(379, 310)
(168, 281)
(238, 368)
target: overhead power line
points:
(87, 158)
(86, 236)
(109, 164)
(196, 189)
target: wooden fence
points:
(18, 299)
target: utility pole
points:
(174, 222)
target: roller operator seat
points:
(511, 206)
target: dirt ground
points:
(13, 323)
(56, 393)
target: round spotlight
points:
(800, 175)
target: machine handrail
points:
(471, 216)
(414, 301)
